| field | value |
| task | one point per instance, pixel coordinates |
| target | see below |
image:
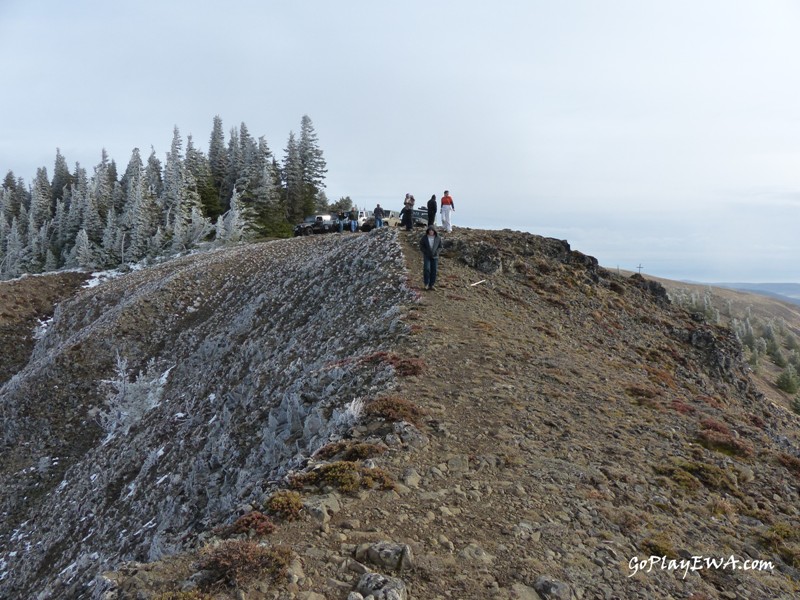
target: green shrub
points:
(285, 504)
(788, 381)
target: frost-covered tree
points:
(101, 192)
(174, 182)
(17, 196)
(155, 182)
(218, 162)
(82, 254)
(198, 165)
(41, 197)
(233, 225)
(13, 263)
(62, 178)
(292, 174)
(314, 165)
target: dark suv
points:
(317, 224)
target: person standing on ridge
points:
(430, 245)
(447, 208)
(353, 219)
(432, 210)
(378, 214)
(406, 217)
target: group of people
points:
(446, 209)
(350, 217)
(430, 244)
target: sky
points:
(663, 134)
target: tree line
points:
(236, 191)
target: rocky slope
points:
(157, 403)
(543, 424)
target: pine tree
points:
(14, 260)
(232, 226)
(314, 166)
(218, 161)
(173, 182)
(293, 182)
(62, 178)
(41, 196)
(82, 254)
(198, 165)
(101, 190)
(788, 380)
(155, 183)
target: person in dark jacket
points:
(378, 214)
(430, 245)
(406, 217)
(432, 206)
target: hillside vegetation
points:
(299, 419)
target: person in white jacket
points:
(446, 209)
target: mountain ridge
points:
(540, 378)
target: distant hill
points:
(789, 292)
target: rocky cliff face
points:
(535, 428)
(156, 403)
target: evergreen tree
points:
(198, 165)
(173, 182)
(234, 167)
(82, 254)
(101, 190)
(41, 197)
(232, 226)
(155, 183)
(11, 197)
(293, 182)
(788, 380)
(62, 178)
(314, 166)
(14, 260)
(218, 162)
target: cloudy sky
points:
(663, 133)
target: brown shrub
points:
(345, 476)
(240, 561)
(348, 450)
(394, 408)
(725, 443)
(403, 366)
(790, 462)
(681, 407)
(712, 425)
(253, 522)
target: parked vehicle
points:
(317, 224)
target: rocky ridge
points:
(557, 422)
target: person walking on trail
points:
(378, 214)
(447, 208)
(353, 219)
(432, 210)
(430, 245)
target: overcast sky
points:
(661, 133)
